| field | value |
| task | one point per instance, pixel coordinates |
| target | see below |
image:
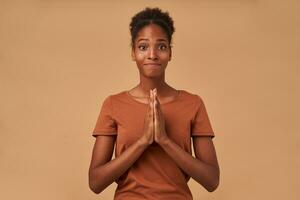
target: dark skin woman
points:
(151, 50)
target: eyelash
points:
(162, 45)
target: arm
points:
(204, 168)
(103, 171)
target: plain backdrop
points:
(60, 59)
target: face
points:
(151, 51)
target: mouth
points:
(153, 64)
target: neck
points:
(146, 84)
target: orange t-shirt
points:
(154, 175)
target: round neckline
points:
(173, 100)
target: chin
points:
(152, 75)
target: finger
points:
(154, 99)
(155, 116)
(152, 107)
(157, 103)
(156, 108)
(149, 104)
(152, 96)
(155, 96)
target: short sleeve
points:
(201, 125)
(105, 124)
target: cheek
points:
(139, 56)
(165, 56)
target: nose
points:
(152, 54)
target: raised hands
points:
(148, 132)
(154, 124)
(160, 134)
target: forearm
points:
(205, 174)
(103, 175)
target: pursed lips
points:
(152, 64)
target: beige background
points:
(60, 59)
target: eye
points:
(142, 47)
(162, 47)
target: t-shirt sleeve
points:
(105, 125)
(201, 125)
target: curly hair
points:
(151, 16)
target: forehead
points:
(152, 32)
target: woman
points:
(152, 125)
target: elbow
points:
(96, 189)
(213, 187)
(215, 183)
(94, 185)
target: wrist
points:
(143, 142)
(164, 141)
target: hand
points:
(148, 132)
(160, 134)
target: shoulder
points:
(115, 95)
(115, 98)
(118, 95)
(193, 98)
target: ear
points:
(170, 57)
(132, 54)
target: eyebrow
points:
(160, 39)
